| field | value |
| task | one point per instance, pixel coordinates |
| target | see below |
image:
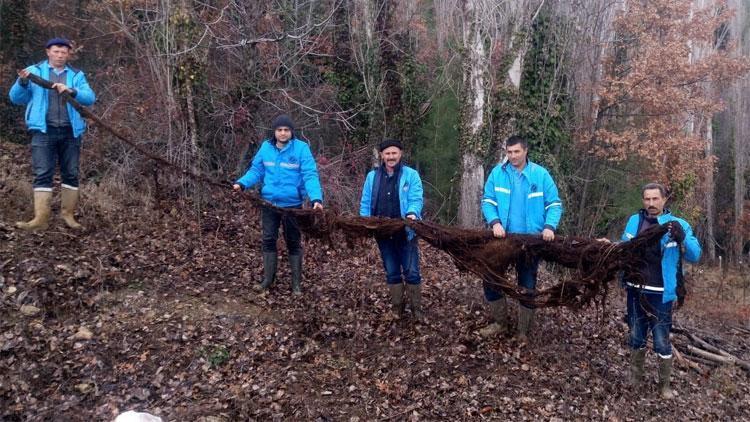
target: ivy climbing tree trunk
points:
(472, 143)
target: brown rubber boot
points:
(499, 314)
(637, 357)
(41, 212)
(665, 376)
(525, 323)
(68, 205)
(415, 297)
(295, 266)
(397, 300)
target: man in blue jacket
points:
(519, 197)
(285, 166)
(394, 190)
(653, 289)
(56, 129)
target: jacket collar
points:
(396, 170)
(643, 213)
(506, 165)
(272, 141)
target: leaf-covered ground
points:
(153, 309)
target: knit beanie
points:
(283, 121)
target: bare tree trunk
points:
(472, 145)
(588, 50)
(740, 165)
(192, 122)
(740, 113)
(697, 128)
(710, 197)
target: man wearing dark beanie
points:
(285, 167)
(394, 190)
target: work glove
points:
(676, 231)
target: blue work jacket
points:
(543, 205)
(36, 98)
(410, 193)
(288, 175)
(670, 250)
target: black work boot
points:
(269, 270)
(397, 299)
(295, 265)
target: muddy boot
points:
(499, 314)
(397, 300)
(665, 375)
(637, 357)
(415, 297)
(68, 205)
(269, 271)
(525, 323)
(295, 265)
(41, 212)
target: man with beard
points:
(394, 190)
(285, 166)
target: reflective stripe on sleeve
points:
(644, 287)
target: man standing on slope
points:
(519, 197)
(652, 290)
(286, 168)
(56, 129)
(394, 190)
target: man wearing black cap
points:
(56, 129)
(394, 190)
(286, 168)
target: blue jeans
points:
(646, 312)
(58, 144)
(270, 222)
(526, 272)
(400, 257)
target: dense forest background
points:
(611, 94)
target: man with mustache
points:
(519, 197)
(56, 129)
(653, 289)
(286, 168)
(394, 190)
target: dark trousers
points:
(400, 259)
(647, 313)
(47, 149)
(270, 222)
(526, 272)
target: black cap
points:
(283, 121)
(58, 41)
(390, 143)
